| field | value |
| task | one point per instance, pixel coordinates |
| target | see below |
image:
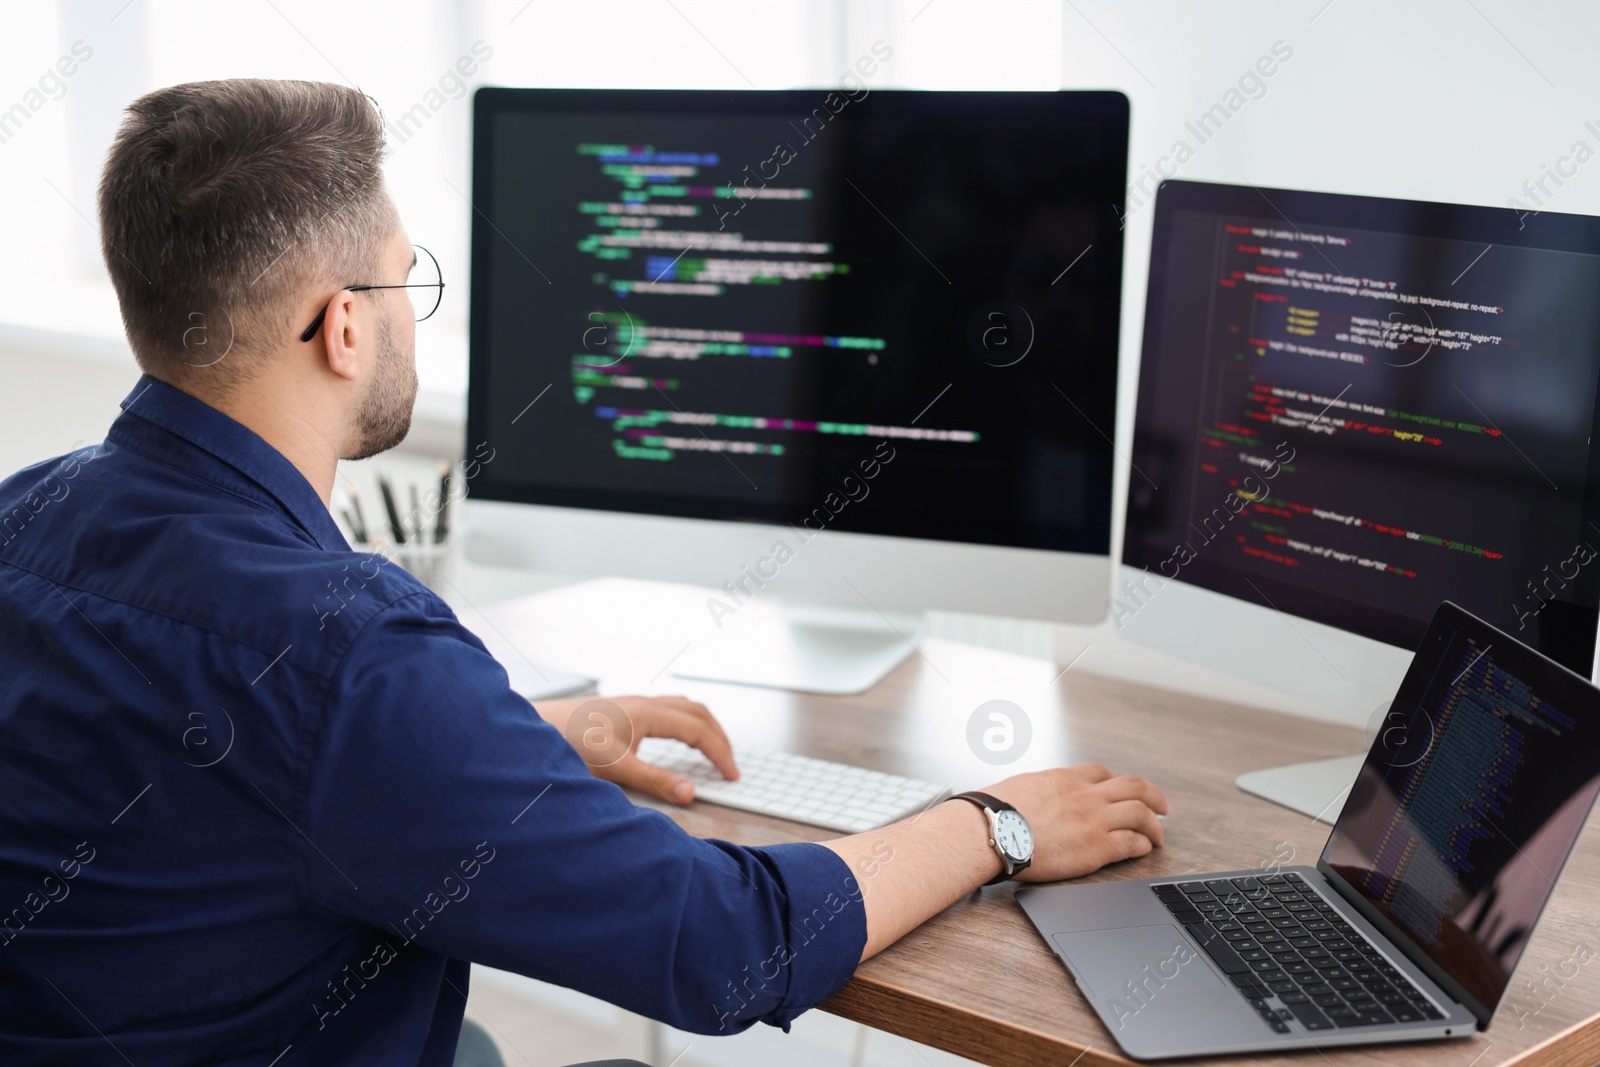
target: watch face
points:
(1013, 835)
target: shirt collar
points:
(230, 455)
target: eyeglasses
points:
(425, 268)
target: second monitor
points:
(1351, 409)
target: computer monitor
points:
(849, 349)
(1351, 409)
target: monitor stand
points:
(809, 648)
(1317, 789)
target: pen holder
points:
(427, 562)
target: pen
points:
(398, 530)
(416, 511)
(359, 527)
(441, 524)
(350, 521)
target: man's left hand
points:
(607, 736)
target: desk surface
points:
(977, 980)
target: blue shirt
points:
(261, 793)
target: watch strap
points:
(992, 803)
(984, 800)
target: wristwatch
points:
(1009, 834)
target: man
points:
(238, 828)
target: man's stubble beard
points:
(383, 415)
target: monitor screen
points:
(1470, 800)
(1351, 409)
(887, 313)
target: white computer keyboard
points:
(834, 795)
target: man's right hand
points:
(1082, 818)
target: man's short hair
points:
(223, 203)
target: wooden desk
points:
(977, 980)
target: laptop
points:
(1411, 923)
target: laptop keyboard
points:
(1274, 936)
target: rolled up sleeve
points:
(441, 810)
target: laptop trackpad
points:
(1134, 967)
(1156, 991)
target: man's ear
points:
(341, 337)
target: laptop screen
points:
(1471, 798)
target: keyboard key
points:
(1366, 1018)
(1310, 1017)
(1406, 1014)
(1221, 953)
(1328, 1000)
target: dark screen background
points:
(1453, 456)
(993, 195)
